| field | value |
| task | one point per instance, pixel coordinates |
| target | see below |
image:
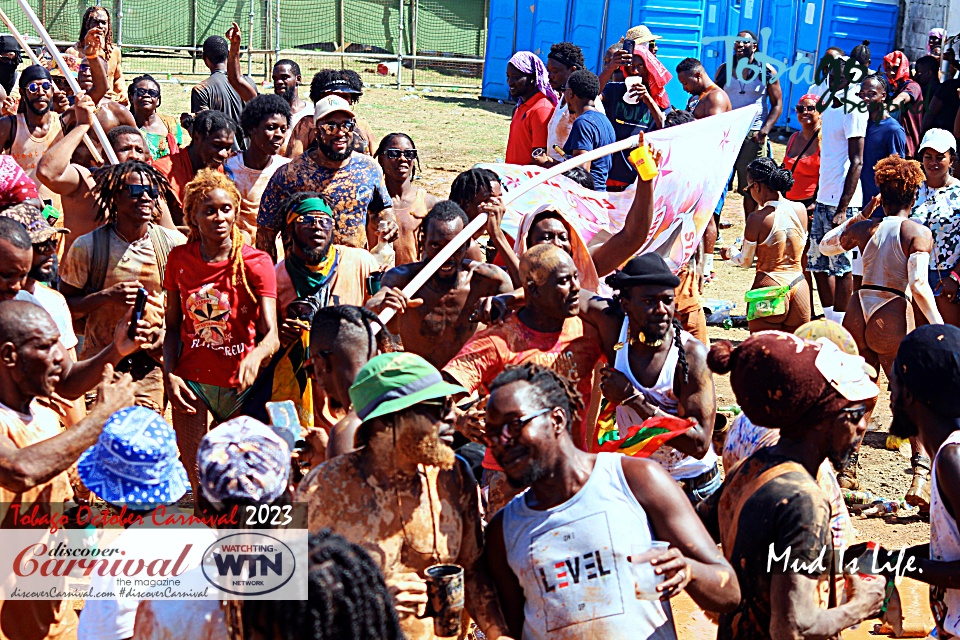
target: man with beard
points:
(74, 182)
(440, 319)
(561, 553)
(34, 453)
(748, 82)
(661, 370)
(925, 404)
(10, 59)
(351, 181)
(315, 274)
(27, 135)
(770, 515)
(405, 497)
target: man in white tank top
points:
(923, 384)
(661, 370)
(561, 552)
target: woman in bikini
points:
(776, 234)
(163, 134)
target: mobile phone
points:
(284, 421)
(628, 45)
(138, 308)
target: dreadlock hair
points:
(85, 25)
(290, 63)
(554, 389)
(110, 179)
(389, 138)
(898, 180)
(329, 322)
(144, 78)
(472, 182)
(347, 597)
(196, 190)
(443, 211)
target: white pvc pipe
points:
(477, 223)
(52, 48)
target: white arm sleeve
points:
(917, 268)
(830, 245)
(745, 257)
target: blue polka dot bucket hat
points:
(135, 461)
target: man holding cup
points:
(408, 500)
(575, 556)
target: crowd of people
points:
(541, 413)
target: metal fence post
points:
(276, 43)
(193, 37)
(342, 35)
(119, 12)
(414, 19)
(250, 43)
(400, 48)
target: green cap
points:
(392, 382)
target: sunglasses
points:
(803, 109)
(514, 427)
(83, 67)
(36, 87)
(136, 191)
(141, 92)
(324, 221)
(745, 41)
(394, 154)
(333, 127)
(854, 414)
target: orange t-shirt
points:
(572, 352)
(178, 170)
(528, 129)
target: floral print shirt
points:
(939, 211)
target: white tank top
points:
(945, 541)
(679, 465)
(884, 263)
(571, 561)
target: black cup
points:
(444, 598)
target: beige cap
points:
(641, 34)
(330, 104)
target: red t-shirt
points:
(572, 352)
(178, 170)
(219, 319)
(528, 129)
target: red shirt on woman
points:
(806, 172)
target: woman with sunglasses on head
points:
(101, 274)
(163, 134)
(776, 233)
(397, 155)
(221, 316)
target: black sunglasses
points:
(394, 154)
(137, 190)
(143, 91)
(332, 127)
(803, 109)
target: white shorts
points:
(856, 261)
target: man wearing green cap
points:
(404, 496)
(316, 273)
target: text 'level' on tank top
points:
(571, 561)
(679, 465)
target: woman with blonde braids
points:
(221, 315)
(896, 259)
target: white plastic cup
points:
(643, 572)
(630, 82)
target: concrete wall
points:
(918, 17)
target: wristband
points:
(953, 276)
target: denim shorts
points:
(822, 224)
(701, 493)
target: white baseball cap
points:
(330, 104)
(940, 140)
(850, 375)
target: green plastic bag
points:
(766, 301)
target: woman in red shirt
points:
(802, 159)
(222, 296)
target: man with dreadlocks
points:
(316, 273)
(104, 269)
(221, 313)
(601, 510)
(660, 370)
(440, 319)
(477, 191)
(404, 496)
(76, 182)
(99, 18)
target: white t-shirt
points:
(558, 129)
(251, 183)
(55, 304)
(837, 127)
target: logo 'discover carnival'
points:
(248, 564)
(210, 310)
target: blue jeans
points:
(701, 493)
(822, 224)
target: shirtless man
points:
(74, 181)
(405, 497)
(440, 320)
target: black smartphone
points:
(629, 44)
(138, 308)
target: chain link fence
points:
(438, 43)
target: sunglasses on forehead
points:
(394, 154)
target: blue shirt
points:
(591, 130)
(882, 139)
(627, 120)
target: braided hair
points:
(767, 172)
(554, 389)
(328, 321)
(347, 597)
(196, 190)
(112, 178)
(85, 25)
(474, 181)
(681, 354)
(390, 137)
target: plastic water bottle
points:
(859, 497)
(727, 323)
(384, 252)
